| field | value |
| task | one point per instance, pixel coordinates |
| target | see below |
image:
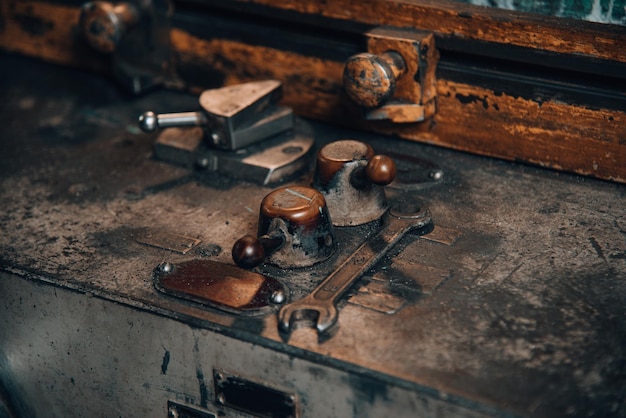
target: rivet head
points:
(278, 297)
(221, 399)
(216, 138)
(165, 268)
(203, 162)
(436, 175)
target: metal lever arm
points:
(150, 121)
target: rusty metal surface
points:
(522, 307)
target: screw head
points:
(203, 162)
(165, 268)
(436, 175)
(221, 399)
(278, 297)
(216, 138)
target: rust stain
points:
(35, 26)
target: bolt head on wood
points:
(104, 24)
(368, 80)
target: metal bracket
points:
(270, 161)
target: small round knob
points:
(148, 122)
(104, 24)
(295, 230)
(381, 170)
(249, 251)
(370, 80)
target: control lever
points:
(294, 231)
(351, 178)
(233, 117)
(319, 307)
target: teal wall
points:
(604, 11)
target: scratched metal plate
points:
(516, 304)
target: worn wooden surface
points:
(572, 137)
(520, 313)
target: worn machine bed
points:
(512, 305)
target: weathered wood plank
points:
(459, 20)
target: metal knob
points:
(370, 80)
(150, 121)
(295, 230)
(103, 24)
(351, 178)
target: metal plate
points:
(219, 285)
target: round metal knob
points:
(295, 230)
(351, 177)
(103, 24)
(370, 80)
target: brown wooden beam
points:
(469, 118)
(460, 20)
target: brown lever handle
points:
(295, 230)
(380, 170)
(248, 252)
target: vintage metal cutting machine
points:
(301, 241)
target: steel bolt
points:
(216, 138)
(436, 175)
(203, 162)
(221, 399)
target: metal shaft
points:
(150, 122)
